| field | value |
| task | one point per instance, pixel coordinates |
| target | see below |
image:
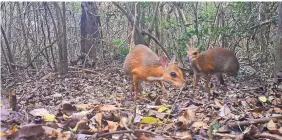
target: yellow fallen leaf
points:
(66, 117)
(126, 87)
(49, 117)
(3, 134)
(162, 108)
(150, 120)
(263, 99)
(143, 93)
(271, 125)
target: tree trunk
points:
(24, 30)
(48, 31)
(278, 49)
(90, 29)
(62, 46)
(10, 57)
(65, 44)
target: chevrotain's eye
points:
(195, 53)
(173, 74)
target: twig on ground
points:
(126, 131)
(267, 135)
(83, 69)
(254, 121)
(224, 135)
(173, 106)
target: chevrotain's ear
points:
(173, 59)
(164, 61)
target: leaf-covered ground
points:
(98, 104)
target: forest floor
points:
(98, 104)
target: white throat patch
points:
(151, 78)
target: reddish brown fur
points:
(212, 61)
(142, 62)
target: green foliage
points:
(147, 20)
(145, 4)
(146, 38)
(168, 24)
(122, 48)
(76, 7)
(208, 14)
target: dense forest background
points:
(61, 66)
(41, 35)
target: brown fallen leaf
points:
(39, 112)
(187, 118)
(80, 125)
(224, 111)
(107, 108)
(123, 122)
(183, 121)
(277, 110)
(65, 136)
(168, 126)
(277, 101)
(156, 113)
(199, 124)
(10, 132)
(84, 106)
(185, 135)
(31, 130)
(217, 103)
(98, 118)
(68, 108)
(50, 132)
(112, 126)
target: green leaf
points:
(216, 126)
(118, 42)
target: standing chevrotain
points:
(142, 64)
(213, 61)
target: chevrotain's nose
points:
(187, 59)
(179, 84)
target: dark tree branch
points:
(262, 23)
(129, 16)
(139, 38)
(42, 51)
(11, 60)
(156, 40)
